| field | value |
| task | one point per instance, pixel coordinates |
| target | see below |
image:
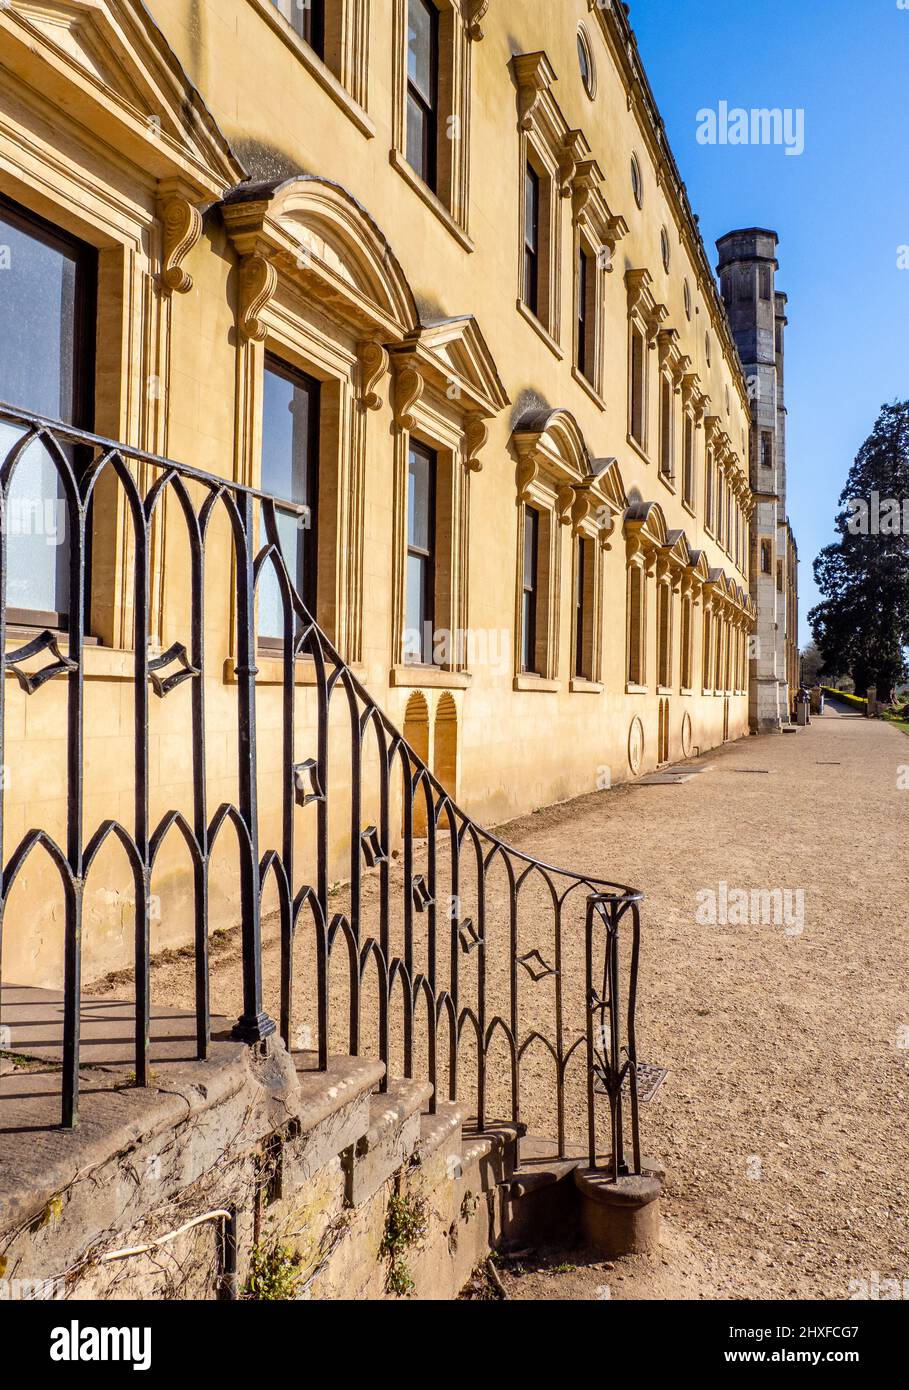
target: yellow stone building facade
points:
(426, 270)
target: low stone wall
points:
(303, 1184)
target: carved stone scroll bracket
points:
(606, 529)
(373, 364)
(534, 75)
(574, 148)
(476, 13)
(409, 387)
(565, 498)
(589, 510)
(476, 435)
(528, 472)
(258, 282)
(181, 226)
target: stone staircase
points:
(301, 1160)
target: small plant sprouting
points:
(50, 1215)
(274, 1275)
(405, 1226)
(469, 1205)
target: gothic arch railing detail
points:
(451, 956)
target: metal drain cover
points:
(650, 1079)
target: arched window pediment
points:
(317, 234)
(551, 441)
(106, 65)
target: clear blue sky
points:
(841, 209)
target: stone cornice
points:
(620, 38)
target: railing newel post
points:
(254, 1025)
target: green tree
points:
(812, 664)
(862, 624)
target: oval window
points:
(637, 186)
(585, 62)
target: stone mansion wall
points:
(428, 268)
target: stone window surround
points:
(543, 492)
(561, 158)
(291, 338)
(587, 679)
(686, 637)
(460, 26)
(707, 649)
(637, 570)
(349, 332)
(344, 74)
(598, 232)
(665, 591)
(683, 571)
(720, 635)
(544, 500)
(673, 369)
(587, 528)
(543, 484)
(144, 227)
(421, 413)
(292, 302)
(646, 317)
(721, 495)
(443, 400)
(694, 407)
(713, 435)
(555, 475)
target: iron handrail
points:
(304, 784)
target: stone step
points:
(541, 1194)
(335, 1106)
(494, 1148)
(540, 1166)
(391, 1139)
(441, 1130)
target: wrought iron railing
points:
(469, 963)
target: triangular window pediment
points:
(106, 64)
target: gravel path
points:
(782, 1123)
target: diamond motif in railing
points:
(422, 898)
(32, 681)
(307, 783)
(176, 653)
(537, 968)
(469, 937)
(371, 845)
